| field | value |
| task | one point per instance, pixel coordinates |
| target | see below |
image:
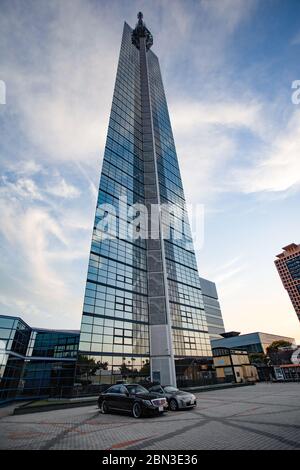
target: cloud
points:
(207, 136)
(44, 250)
(24, 167)
(277, 169)
(22, 188)
(38, 187)
(32, 235)
(60, 84)
(63, 189)
(229, 271)
(191, 116)
(59, 60)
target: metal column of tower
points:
(161, 345)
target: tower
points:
(143, 311)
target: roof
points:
(50, 330)
(230, 334)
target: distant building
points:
(35, 362)
(250, 342)
(212, 309)
(288, 267)
(233, 365)
(287, 373)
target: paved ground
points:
(266, 416)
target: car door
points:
(112, 397)
(127, 400)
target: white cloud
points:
(60, 80)
(62, 85)
(278, 167)
(22, 188)
(64, 190)
(44, 251)
(32, 236)
(25, 167)
(190, 116)
(206, 138)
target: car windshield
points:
(157, 388)
(170, 389)
(134, 389)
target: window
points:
(157, 389)
(134, 389)
(115, 389)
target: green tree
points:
(258, 358)
(87, 366)
(276, 345)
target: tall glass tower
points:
(143, 311)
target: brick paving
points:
(265, 416)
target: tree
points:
(258, 359)
(276, 345)
(125, 370)
(87, 366)
(280, 352)
(145, 369)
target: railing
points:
(182, 382)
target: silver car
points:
(177, 399)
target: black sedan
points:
(177, 399)
(133, 399)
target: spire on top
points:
(141, 31)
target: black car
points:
(177, 399)
(133, 399)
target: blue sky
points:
(228, 67)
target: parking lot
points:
(264, 416)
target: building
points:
(143, 309)
(233, 365)
(288, 368)
(287, 373)
(250, 342)
(288, 267)
(212, 309)
(35, 362)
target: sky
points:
(228, 68)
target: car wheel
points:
(104, 408)
(173, 405)
(136, 410)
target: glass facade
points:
(123, 299)
(293, 266)
(212, 309)
(14, 338)
(189, 326)
(35, 363)
(115, 326)
(49, 368)
(251, 342)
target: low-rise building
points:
(35, 362)
(233, 365)
(251, 342)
